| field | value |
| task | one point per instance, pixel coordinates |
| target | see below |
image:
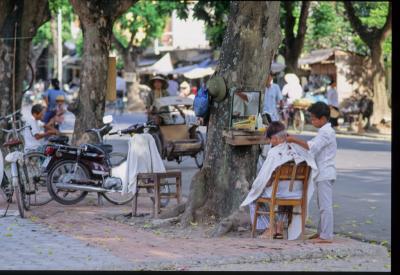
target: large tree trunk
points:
(251, 39)
(29, 16)
(380, 96)
(294, 43)
(374, 38)
(97, 19)
(135, 103)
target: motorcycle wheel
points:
(63, 171)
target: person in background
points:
(34, 135)
(184, 89)
(292, 88)
(158, 86)
(333, 102)
(272, 98)
(50, 100)
(173, 86)
(121, 92)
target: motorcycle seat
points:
(104, 147)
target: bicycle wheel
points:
(19, 193)
(63, 172)
(298, 121)
(25, 187)
(199, 157)
(33, 162)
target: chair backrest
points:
(291, 171)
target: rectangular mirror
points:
(245, 107)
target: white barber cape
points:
(277, 156)
(143, 157)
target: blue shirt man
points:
(50, 98)
(272, 98)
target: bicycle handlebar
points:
(17, 129)
(10, 115)
(134, 129)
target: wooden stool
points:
(153, 180)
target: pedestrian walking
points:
(272, 98)
(333, 103)
(121, 92)
(173, 86)
(323, 147)
(158, 86)
(50, 98)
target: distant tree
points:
(295, 28)
(24, 17)
(373, 23)
(135, 30)
(97, 19)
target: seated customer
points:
(33, 136)
(280, 153)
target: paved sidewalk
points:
(87, 237)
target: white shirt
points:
(173, 87)
(272, 97)
(121, 84)
(31, 143)
(293, 91)
(246, 107)
(323, 147)
(332, 97)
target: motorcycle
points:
(73, 171)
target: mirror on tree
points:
(245, 107)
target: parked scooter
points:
(73, 171)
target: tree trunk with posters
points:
(24, 17)
(97, 19)
(374, 38)
(217, 190)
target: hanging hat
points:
(291, 78)
(216, 88)
(162, 79)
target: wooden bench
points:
(155, 181)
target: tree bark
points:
(129, 54)
(374, 38)
(29, 16)
(97, 19)
(250, 41)
(294, 43)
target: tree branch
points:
(118, 45)
(388, 24)
(290, 21)
(302, 28)
(356, 23)
(122, 6)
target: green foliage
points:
(145, 21)
(329, 27)
(215, 16)
(44, 34)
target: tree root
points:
(173, 212)
(231, 223)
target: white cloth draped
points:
(143, 157)
(277, 156)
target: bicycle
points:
(31, 165)
(19, 183)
